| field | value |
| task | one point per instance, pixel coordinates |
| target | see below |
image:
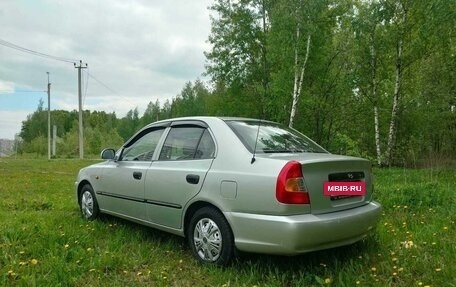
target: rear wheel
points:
(88, 203)
(210, 237)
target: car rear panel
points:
(320, 167)
(341, 170)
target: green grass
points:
(44, 241)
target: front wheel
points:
(210, 237)
(88, 203)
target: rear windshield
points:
(272, 137)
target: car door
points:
(178, 173)
(123, 179)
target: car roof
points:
(204, 118)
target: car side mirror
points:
(108, 153)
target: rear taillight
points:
(291, 188)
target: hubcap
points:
(207, 240)
(87, 204)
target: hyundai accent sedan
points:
(229, 184)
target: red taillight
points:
(291, 188)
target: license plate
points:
(344, 188)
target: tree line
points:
(367, 78)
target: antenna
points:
(256, 141)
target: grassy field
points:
(44, 241)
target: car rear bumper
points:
(295, 234)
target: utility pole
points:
(81, 131)
(49, 117)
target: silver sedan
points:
(229, 184)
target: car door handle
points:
(192, 178)
(137, 175)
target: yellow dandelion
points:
(445, 228)
(394, 274)
(420, 283)
(328, 280)
(89, 249)
(34, 261)
(373, 269)
(394, 259)
(358, 282)
(67, 246)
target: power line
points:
(86, 86)
(103, 84)
(5, 92)
(110, 89)
(29, 51)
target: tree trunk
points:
(375, 104)
(392, 128)
(298, 77)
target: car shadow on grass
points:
(330, 258)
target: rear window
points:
(272, 137)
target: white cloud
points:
(6, 87)
(11, 123)
(142, 50)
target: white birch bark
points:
(392, 128)
(375, 104)
(298, 76)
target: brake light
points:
(291, 188)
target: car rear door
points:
(179, 172)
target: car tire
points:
(88, 203)
(210, 237)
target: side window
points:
(186, 142)
(143, 148)
(206, 147)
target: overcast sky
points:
(139, 50)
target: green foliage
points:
(352, 69)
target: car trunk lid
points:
(318, 168)
(341, 170)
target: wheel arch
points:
(195, 206)
(80, 185)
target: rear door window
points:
(186, 143)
